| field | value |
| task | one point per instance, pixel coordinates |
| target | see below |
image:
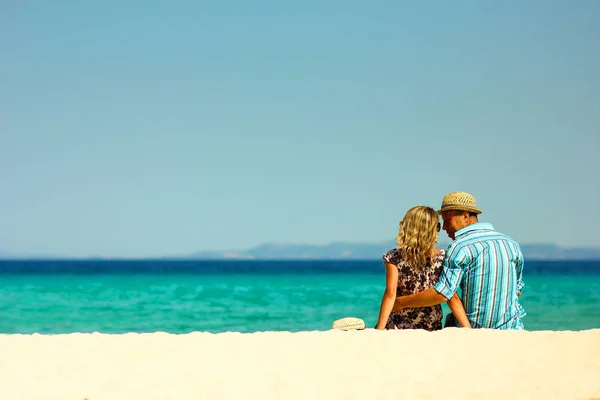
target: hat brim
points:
(459, 208)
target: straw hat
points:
(349, 323)
(459, 201)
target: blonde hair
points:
(418, 235)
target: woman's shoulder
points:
(393, 256)
(440, 252)
(439, 256)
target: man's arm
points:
(443, 291)
(426, 298)
(458, 310)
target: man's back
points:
(487, 266)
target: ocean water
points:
(247, 296)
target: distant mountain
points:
(5, 255)
(555, 252)
(356, 251)
(338, 251)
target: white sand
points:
(368, 364)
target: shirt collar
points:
(478, 226)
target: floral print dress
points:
(412, 281)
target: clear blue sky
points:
(137, 129)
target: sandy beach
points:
(453, 363)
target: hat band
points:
(456, 205)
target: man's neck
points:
(472, 220)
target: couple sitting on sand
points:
(485, 265)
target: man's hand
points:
(399, 304)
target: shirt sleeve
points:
(392, 257)
(452, 273)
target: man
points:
(485, 264)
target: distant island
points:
(366, 251)
(337, 251)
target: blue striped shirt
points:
(488, 268)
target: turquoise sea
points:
(247, 296)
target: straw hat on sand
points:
(459, 201)
(349, 323)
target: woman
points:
(415, 265)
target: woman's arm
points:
(389, 296)
(456, 306)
